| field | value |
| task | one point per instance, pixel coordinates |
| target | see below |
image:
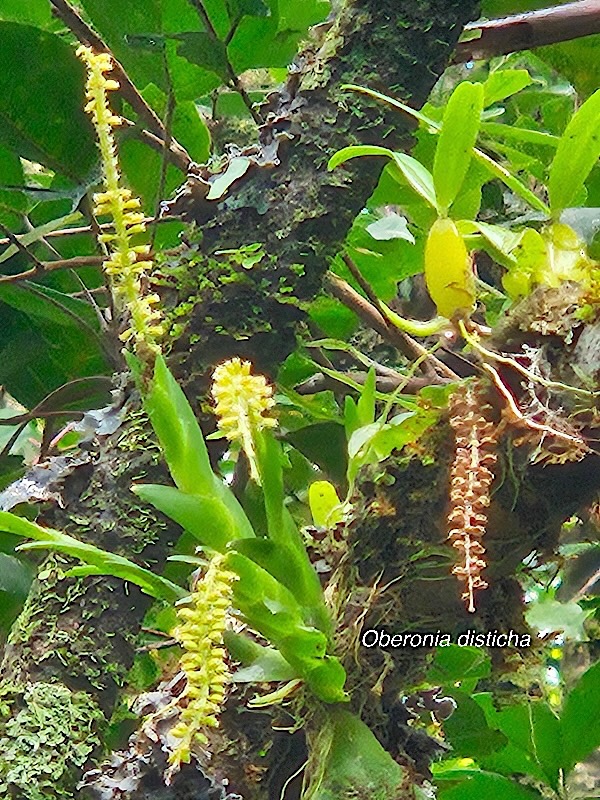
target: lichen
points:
(53, 733)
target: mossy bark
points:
(70, 649)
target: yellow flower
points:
(200, 633)
(126, 264)
(241, 402)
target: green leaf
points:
(365, 407)
(332, 317)
(579, 720)
(499, 130)
(455, 663)
(391, 226)
(253, 8)
(503, 83)
(56, 337)
(179, 434)
(215, 520)
(458, 135)
(33, 12)
(348, 761)
(417, 176)
(32, 95)
(101, 562)
(325, 506)
(15, 576)
(533, 728)
(272, 41)
(270, 467)
(271, 609)
(488, 786)
(260, 664)
(467, 729)
(513, 183)
(293, 570)
(12, 201)
(495, 169)
(357, 151)
(141, 34)
(373, 443)
(15, 581)
(325, 445)
(205, 51)
(576, 155)
(294, 16)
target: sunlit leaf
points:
(179, 433)
(576, 155)
(503, 83)
(458, 134)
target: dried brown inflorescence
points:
(470, 480)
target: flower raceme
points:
(241, 402)
(202, 625)
(127, 262)
(470, 482)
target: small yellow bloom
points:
(241, 402)
(200, 633)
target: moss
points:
(53, 733)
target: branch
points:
(534, 29)
(65, 12)
(77, 262)
(432, 366)
(106, 226)
(16, 242)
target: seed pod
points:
(448, 270)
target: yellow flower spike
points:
(200, 633)
(241, 401)
(122, 266)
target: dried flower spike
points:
(200, 633)
(470, 481)
(241, 402)
(126, 263)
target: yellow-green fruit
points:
(448, 270)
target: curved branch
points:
(530, 30)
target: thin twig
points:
(49, 266)
(12, 239)
(91, 229)
(422, 354)
(77, 262)
(65, 12)
(587, 585)
(153, 141)
(165, 153)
